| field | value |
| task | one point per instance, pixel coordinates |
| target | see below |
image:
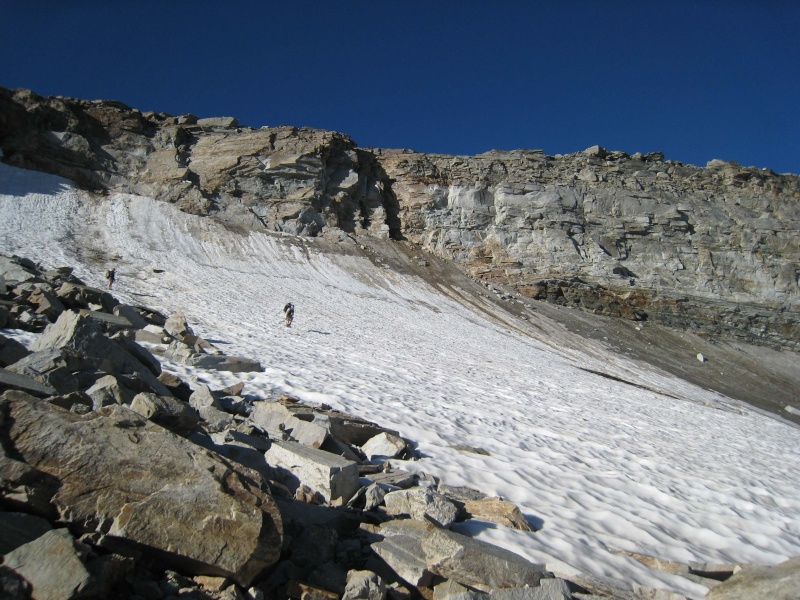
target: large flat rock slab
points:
(143, 486)
(416, 551)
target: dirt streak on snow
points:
(602, 465)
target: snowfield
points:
(599, 465)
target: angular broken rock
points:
(166, 411)
(156, 491)
(107, 391)
(215, 420)
(52, 367)
(450, 590)
(416, 551)
(15, 269)
(335, 478)
(422, 503)
(384, 445)
(11, 380)
(270, 416)
(84, 336)
(401, 549)
(308, 433)
(477, 564)
(75, 295)
(140, 353)
(53, 567)
(756, 583)
(495, 510)
(372, 496)
(177, 326)
(202, 397)
(133, 316)
(364, 585)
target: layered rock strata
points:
(709, 249)
(712, 250)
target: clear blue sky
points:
(695, 79)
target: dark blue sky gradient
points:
(695, 79)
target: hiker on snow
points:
(111, 275)
(288, 310)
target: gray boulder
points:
(417, 551)
(341, 430)
(15, 381)
(52, 367)
(477, 564)
(14, 269)
(214, 419)
(270, 416)
(401, 549)
(155, 492)
(422, 503)
(177, 326)
(364, 585)
(309, 433)
(758, 583)
(53, 567)
(107, 391)
(166, 411)
(46, 303)
(450, 590)
(333, 477)
(85, 338)
(234, 405)
(384, 445)
(202, 397)
(140, 353)
(218, 122)
(133, 316)
(548, 589)
(75, 295)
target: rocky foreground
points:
(712, 250)
(120, 480)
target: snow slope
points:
(599, 464)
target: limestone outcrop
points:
(709, 249)
(713, 250)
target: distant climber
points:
(288, 310)
(111, 276)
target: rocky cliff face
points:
(713, 250)
(299, 181)
(710, 249)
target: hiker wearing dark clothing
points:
(111, 275)
(288, 310)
